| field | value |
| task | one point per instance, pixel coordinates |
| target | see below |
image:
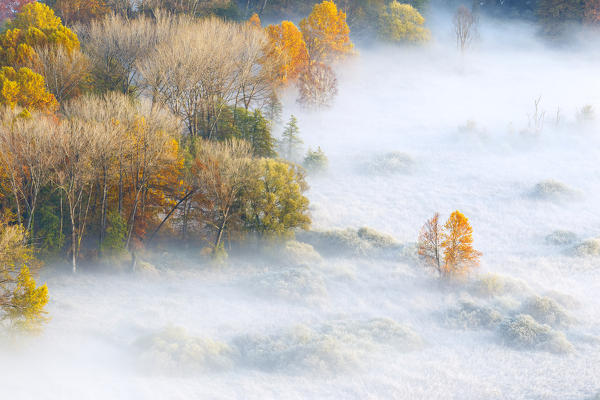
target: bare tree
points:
(317, 86)
(206, 66)
(430, 239)
(25, 159)
(224, 168)
(65, 71)
(465, 27)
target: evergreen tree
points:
(290, 145)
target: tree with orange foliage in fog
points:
(326, 33)
(288, 45)
(254, 21)
(591, 12)
(455, 240)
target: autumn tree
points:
(225, 169)
(80, 11)
(287, 44)
(317, 86)
(326, 33)
(25, 88)
(402, 23)
(290, 144)
(22, 302)
(33, 27)
(454, 241)
(275, 204)
(254, 21)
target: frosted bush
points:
(293, 252)
(588, 248)
(361, 242)
(389, 163)
(470, 315)
(525, 332)
(491, 285)
(547, 311)
(552, 190)
(173, 350)
(331, 347)
(300, 283)
(561, 238)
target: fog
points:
(349, 313)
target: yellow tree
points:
(21, 302)
(457, 243)
(288, 45)
(26, 89)
(326, 33)
(35, 26)
(402, 23)
(82, 11)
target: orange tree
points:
(287, 45)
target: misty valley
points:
(299, 200)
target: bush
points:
(315, 161)
(525, 333)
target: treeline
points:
(123, 132)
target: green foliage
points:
(274, 203)
(250, 126)
(116, 234)
(290, 144)
(315, 161)
(50, 237)
(402, 23)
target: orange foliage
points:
(326, 33)
(457, 242)
(288, 44)
(255, 21)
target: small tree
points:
(318, 86)
(402, 23)
(315, 161)
(465, 27)
(290, 144)
(429, 244)
(454, 241)
(21, 301)
(326, 33)
(457, 242)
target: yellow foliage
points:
(25, 88)
(35, 25)
(26, 310)
(402, 23)
(326, 33)
(288, 44)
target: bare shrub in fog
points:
(537, 118)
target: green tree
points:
(402, 23)
(116, 234)
(275, 204)
(250, 126)
(290, 144)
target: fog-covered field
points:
(347, 313)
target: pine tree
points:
(290, 145)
